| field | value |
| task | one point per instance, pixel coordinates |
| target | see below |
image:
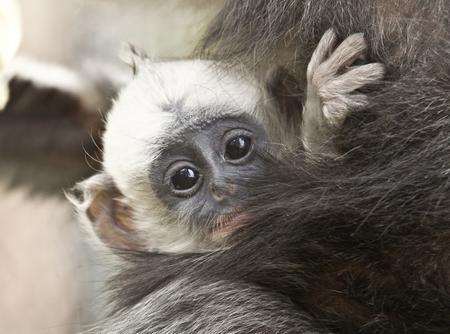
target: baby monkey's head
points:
(180, 143)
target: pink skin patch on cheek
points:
(226, 224)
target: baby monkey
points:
(183, 136)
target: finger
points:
(357, 102)
(323, 49)
(356, 78)
(337, 110)
(350, 49)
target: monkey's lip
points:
(228, 222)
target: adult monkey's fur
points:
(359, 245)
(261, 32)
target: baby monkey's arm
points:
(331, 89)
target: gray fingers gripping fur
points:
(331, 95)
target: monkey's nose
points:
(221, 191)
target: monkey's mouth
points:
(225, 224)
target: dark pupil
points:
(237, 147)
(185, 178)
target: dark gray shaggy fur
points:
(358, 245)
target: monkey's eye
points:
(184, 178)
(238, 147)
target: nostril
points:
(216, 192)
(220, 191)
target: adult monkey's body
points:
(286, 32)
(359, 246)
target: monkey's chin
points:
(226, 224)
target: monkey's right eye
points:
(184, 179)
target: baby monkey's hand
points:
(332, 83)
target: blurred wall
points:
(43, 269)
(70, 30)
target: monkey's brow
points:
(183, 126)
(200, 113)
(188, 119)
(188, 122)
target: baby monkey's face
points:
(200, 174)
(181, 142)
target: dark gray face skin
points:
(217, 170)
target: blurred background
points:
(50, 126)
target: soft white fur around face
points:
(138, 119)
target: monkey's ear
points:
(285, 90)
(133, 57)
(104, 213)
